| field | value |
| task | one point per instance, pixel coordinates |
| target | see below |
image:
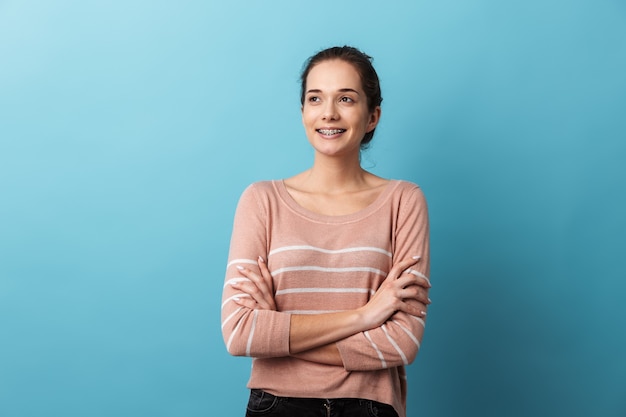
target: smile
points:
(330, 132)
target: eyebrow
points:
(341, 90)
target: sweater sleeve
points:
(246, 332)
(397, 341)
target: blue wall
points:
(129, 128)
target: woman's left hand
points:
(259, 288)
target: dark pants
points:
(265, 404)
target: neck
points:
(335, 174)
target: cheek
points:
(308, 117)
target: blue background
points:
(128, 129)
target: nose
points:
(330, 111)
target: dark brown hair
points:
(362, 63)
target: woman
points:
(326, 285)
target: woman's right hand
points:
(400, 291)
(259, 288)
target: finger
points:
(250, 291)
(399, 268)
(406, 280)
(245, 301)
(416, 293)
(268, 288)
(265, 273)
(257, 288)
(248, 288)
(423, 280)
(258, 281)
(408, 286)
(414, 308)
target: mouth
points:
(330, 132)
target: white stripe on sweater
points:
(241, 261)
(395, 345)
(251, 335)
(227, 319)
(330, 251)
(232, 335)
(423, 323)
(322, 269)
(226, 301)
(326, 290)
(408, 332)
(380, 354)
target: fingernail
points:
(239, 267)
(423, 313)
(417, 258)
(261, 259)
(430, 301)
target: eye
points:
(313, 99)
(346, 99)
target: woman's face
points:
(334, 113)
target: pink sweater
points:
(323, 264)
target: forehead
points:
(333, 75)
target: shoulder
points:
(402, 188)
(408, 198)
(260, 187)
(259, 193)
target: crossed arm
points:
(313, 337)
(386, 332)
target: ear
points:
(374, 119)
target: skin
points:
(335, 118)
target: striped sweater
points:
(323, 264)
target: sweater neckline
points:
(281, 189)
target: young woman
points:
(326, 284)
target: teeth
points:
(330, 131)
